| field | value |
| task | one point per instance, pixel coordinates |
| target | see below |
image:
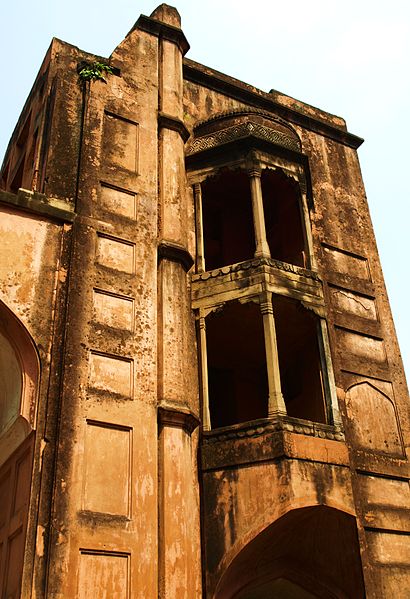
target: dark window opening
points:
(237, 377)
(227, 219)
(283, 221)
(299, 360)
(23, 137)
(18, 177)
(4, 176)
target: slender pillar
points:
(206, 416)
(262, 247)
(276, 403)
(200, 252)
(308, 233)
(330, 383)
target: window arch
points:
(19, 378)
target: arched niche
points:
(372, 420)
(310, 552)
(19, 378)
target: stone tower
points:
(201, 389)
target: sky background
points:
(350, 58)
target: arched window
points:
(19, 374)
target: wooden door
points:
(15, 483)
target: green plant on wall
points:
(93, 71)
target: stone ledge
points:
(255, 428)
(38, 203)
(177, 418)
(267, 440)
(163, 30)
(255, 263)
(175, 253)
(166, 121)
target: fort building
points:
(201, 390)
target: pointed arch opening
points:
(19, 377)
(308, 553)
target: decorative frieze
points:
(257, 428)
(255, 263)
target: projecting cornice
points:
(214, 80)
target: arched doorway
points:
(19, 374)
(308, 553)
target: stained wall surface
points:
(133, 493)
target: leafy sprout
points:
(93, 71)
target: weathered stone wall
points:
(372, 390)
(98, 272)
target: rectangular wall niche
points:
(118, 201)
(113, 310)
(104, 574)
(120, 142)
(115, 253)
(362, 346)
(111, 374)
(107, 469)
(389, 548)
(353, 303)
(346, 263)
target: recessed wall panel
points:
(116, 254)
(111, 374)
(120, 142)
(362, 346)
(390, 548)
(346, 263)
(103, 575)
(118, 201)
(107, 469)
(353, 303)
(113, 311)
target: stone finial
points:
(167, 14)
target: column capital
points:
(254, 171)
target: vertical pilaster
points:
(206, 417)
(329, 378)
(199, 227)
(276, 403)
(262, 248)
(179, 561)
(308, 233)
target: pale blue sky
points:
(351, 58)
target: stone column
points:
(329, 378)
(200, 252)
(262, 247)
(206, 417)
(276, 404)
(307, 232)
(179, 558)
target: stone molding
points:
(260, 427)
(241, 131)
(214, 80)
(177, 418)
(166, 121)
(255, 263)
(241, 112)
(163, 30)
(175, 253)
(38, 203)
